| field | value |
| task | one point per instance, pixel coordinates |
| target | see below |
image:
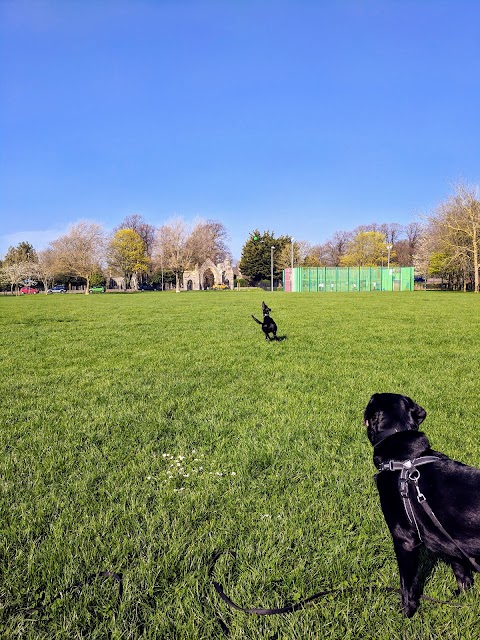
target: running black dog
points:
(425, 496)
(268, 324)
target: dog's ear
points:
(417, 413)
(367, 412)
(371, 419)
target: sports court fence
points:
(321, 279)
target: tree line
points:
(444, 244)
(135, 252)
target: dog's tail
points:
(256, 319)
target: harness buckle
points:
(403, 487)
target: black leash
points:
(290, 608)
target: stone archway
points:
(208, 275)
(208, 279)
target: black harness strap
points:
(409, 473)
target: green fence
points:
(348, 279)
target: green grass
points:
(140, 433)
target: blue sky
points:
(301, 117)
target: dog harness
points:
(409, 473)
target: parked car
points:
(97, 289)
(146, 287)
(29, 290)
(58, 288)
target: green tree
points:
(23, 252)
(366, 249)
(255, 262)
(127, 255)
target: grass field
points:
(140, 433)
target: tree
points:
(147, 232)
(406, 248)
(392, 232)
(19, 265)
(255, 262)
(173, 250)
(15, 274)
(80, 251)
(45, 267)
(334, 249)
(365, 250)
(283, 257)
(127, 254)
(208, 239)
(23, 252)
(458, 223)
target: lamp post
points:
(271, 267)
(389, 248)
(292, 255)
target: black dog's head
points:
(266, 310)
(387, 413)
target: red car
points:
(29, 290)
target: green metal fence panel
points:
(332, 279)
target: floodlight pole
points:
(389, 248)
(292, 254)
(271, 268)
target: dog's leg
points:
(256, 320)
(407, 553)
(463, 574)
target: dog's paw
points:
(409, 606)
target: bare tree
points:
(458, 219)
(80, 251)
(173, 250)
(291, 251)
(335, 248)
(393, 232)
(45, 267)
(208, 239)
(313, 255)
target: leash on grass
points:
(290, 608)
(41, 605)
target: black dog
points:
(268, 324)
(425, 496)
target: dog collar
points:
(386, 434)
